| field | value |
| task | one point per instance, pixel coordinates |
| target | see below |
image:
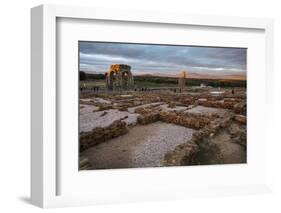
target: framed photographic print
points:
(130, 106)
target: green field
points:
(170, 82)
(98, 80)
(92, 83)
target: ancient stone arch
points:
(119, 77)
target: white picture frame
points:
(44, 154)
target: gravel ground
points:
(143, 146)
(90, 119)
(204, 110)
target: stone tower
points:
(181, 80)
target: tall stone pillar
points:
(181, 80)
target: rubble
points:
(148, 118)
(186, 120)
(240, 108)
(181, 155)
(241, 118)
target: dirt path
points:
(221, 150)
(143, 146)
(230, 152)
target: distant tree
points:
(95, 76)
(82, 75)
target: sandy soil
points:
(230, 152)
(143, 146)
(221, 150)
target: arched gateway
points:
(119, 77)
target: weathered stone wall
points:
(189, 120)
(99, 134)
(148, 118)
(240, 108)
(184, 119)
(184, 154)
(218, 104)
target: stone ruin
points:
(227, 126)
(181, 80)
(119, 77)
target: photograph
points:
(159, 105)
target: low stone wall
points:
(218, 104)
(184, 154)
(148, 118)
(188, 120)
(181, 154)
(99, 134)
(240, 108)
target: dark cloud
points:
(145, 58)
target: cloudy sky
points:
(162, 59)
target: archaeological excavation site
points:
(126, 122)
